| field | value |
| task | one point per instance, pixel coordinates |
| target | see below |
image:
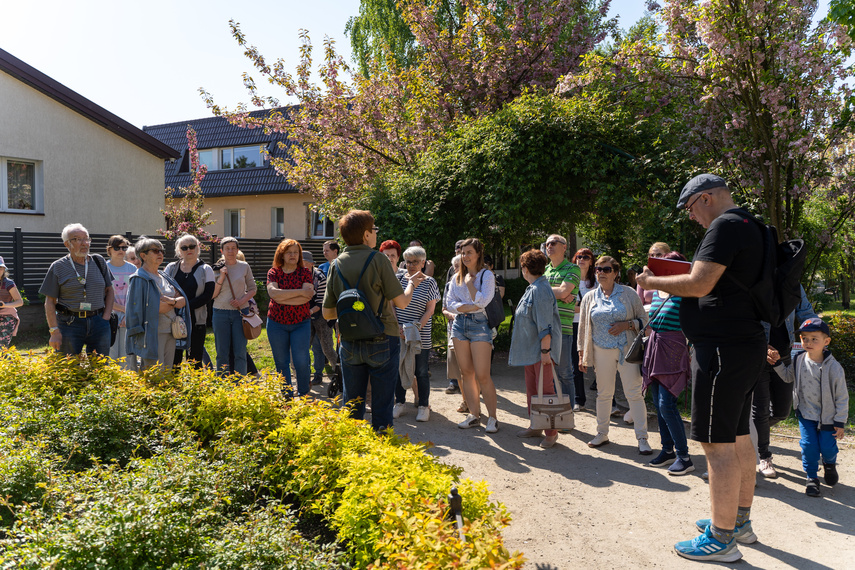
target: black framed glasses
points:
(120, 248)
(413, 261)
(376, 230)
(689, 206)
(583, 256)
(188, 247)
(603, 269)
(555, 242)
(154, 250)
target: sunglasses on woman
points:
(603, 269)
(583, 257)
(188, 247)
(120, 247)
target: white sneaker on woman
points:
(599, 439)
(492, 425)
(398, 410)
(470, 421)
(423, 414)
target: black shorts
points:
(722, 389)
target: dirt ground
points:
(577, 507)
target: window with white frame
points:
(20, 185)
(235, 222)
(229, 158)
(277, 222)
(322, 226)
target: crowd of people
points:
(575, 315)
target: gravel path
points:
(577, 507)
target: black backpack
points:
(356, 319)
(494, 309)
(778, 291)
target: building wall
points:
(258, 214)
(90, 175)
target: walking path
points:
(577, 507)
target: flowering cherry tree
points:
(472, 58)
(184, 208)
(761, 91)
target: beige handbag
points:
(179, 328)
(553, 411)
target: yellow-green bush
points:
(132, 443)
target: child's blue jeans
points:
(815, 443)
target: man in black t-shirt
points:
(721, 321)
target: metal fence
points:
(29, 254)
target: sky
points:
(146, 60)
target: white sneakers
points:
(423, 414)
(599, 439)
(471, 421)
(627, 418)
(398, 410)
(492, 425)
(644, 447)
(767, 470)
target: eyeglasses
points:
(120, 247)
(655, 255)
(80, 240)
(555, 242)
(376, 230)
(153, 250)
(689, 207)
(188, 247)
(583, 257)
(603, 269)
(413, 261)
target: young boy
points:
(820, 399)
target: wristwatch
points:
(51, 329)
(545, 350)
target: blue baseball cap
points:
(814, 324)
(3, 263)
(700, 183)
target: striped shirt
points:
(320, 279)
(61, 282)
(668, 318)
(426, 292)
(564, 273)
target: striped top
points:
(566, 272)
(320, 281)
(668, 318)
(426, 292)
(63, 282)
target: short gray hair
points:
(228, 239)
(183, 240)
(415, 252)
(72, 228)
(455, 262)
(146, 243)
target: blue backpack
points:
(356, 319)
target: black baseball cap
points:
(815, 324)
(700, 183)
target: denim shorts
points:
(472, 327)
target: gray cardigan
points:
(835, 396)
(637, 314)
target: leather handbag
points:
(250, 320)
(179, 327)
(495, 310)
(635, 354)
(553, 411)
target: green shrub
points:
(843, 344)
(26, 469)
(514, 289)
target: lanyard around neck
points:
(81, 280)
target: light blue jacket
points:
(535, 317)
(142, 312)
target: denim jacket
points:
(803, 312)
(142, 311)
(535, 317)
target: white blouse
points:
(458, 293)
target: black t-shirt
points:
(727, 315)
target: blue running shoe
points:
(707, 548)
(743, 534)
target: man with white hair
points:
(78, 297)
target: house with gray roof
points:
(247, 197)
(65, 159)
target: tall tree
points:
(346, 133)
(184, 208)
(761, 89)
(380, 32)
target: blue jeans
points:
(318, 356)
(94, 332)
(291, 341)
(815, 443)
(422, 380)
(671, 429)
(565, 367)
(228, 336)
(374, 361)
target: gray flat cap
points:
(700, 183)
(308, 257)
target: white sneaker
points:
(627, 418)
(423, 414)
(767, 470)
(492, 425)
(398, 410)
(599, 439)
(644, 447)
(470, 421)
